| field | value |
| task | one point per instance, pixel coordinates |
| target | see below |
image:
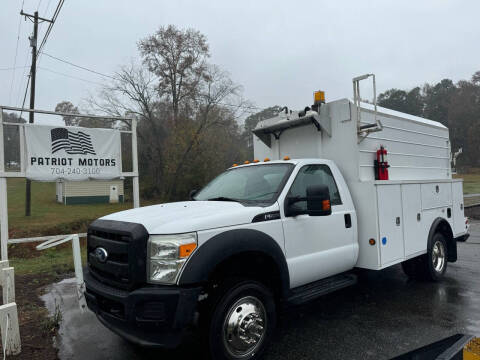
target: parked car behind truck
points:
(323, 201)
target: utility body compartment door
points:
(415, 230)
(459, 226)
(389, 199)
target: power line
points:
(13, 68)
(245, 107)
(50, 26)
(25, 96)
(23, 75)
(69, 76)
(15, 58)
(78, 66)
(48, 6)
(114, 78)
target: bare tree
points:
(217, 89)
(178, 58)
(174, 86)
(132, 93)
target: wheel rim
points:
(244, 327)
(438, 256)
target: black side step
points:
(322, 287)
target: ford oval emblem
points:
(101, 254)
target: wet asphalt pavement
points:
(385, 315)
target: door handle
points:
(348, 221)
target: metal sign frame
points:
(4, 174)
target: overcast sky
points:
(280, 51)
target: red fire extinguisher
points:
(381, 164)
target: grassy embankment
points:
(47, 218)
(471, 185)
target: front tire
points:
(242, 322)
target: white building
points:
(90, 192)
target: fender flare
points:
(451, 243)
(227, 244)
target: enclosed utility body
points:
(394, 215)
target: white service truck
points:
(322, 201)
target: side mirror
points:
(192, 194)
(318, 200)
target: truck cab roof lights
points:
(246, 162)
(234, 165)
(266, 159)
(256, 161)
(286, 158)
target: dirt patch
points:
(37, 329)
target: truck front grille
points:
(117, 253)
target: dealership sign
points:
(72, 153)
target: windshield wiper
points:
(223, 198)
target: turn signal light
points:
(286, 158)
(186, 250)
(266, 159)
(326, 205)
(371, 242)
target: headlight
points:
(167, 254)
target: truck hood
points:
(188, 216)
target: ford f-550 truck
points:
(322, 201)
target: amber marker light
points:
(286, 158)
(372, 242)
(234, 165)
(256, 161)
(326, 205)
(266, 159)
(246, 162)
(186, 250)
(319, 97)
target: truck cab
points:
(276, 231)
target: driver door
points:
(317, 246)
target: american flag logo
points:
(74, 143)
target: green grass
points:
(471, 183)
(51, 261)
(48, 216)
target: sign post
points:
(3, 197)
(136, 192)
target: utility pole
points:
(33, 72)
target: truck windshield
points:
(258, 184)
